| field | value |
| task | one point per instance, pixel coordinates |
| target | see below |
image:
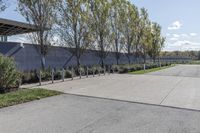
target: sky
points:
(179, 19)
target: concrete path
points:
(76, 114)
(176, 91)
(180, 70)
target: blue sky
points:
(180, 21)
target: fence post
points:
(104, 70)
(52, 75)
(113, 70)
(99, 71)
(72, 73)
(87, 72)
(40, 78)
(109, 69)
(160, 64)
(79, 69)
(144, 66)
(93, 71)
(63, 74)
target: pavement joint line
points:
(171, 91)
(134, 102)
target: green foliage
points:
(181, 54)
(74, 24)
(3, 5)
(100, 11)
(68, 74)
(24, 95)
(29, 77)
(41, 14)
(9, 76)
(149, 70)
(138, 67)
(102, 25)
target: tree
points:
(41, 14)
(2, 5)
(145, 33)
(116, 13)
(162, 43)
(75, 27)
(129, 19)
(101, 27)
(157, 41)
(198, 55)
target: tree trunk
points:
(102, 62)
(154, 60)
(43, 61)
(117, 50)
(129, 61)
(144, 57)
(42, 50)
(102, 54)
(117, 56)
(78, 62)
(117, 61)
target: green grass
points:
(150, 70)
(24, 95)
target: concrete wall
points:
(27, 56)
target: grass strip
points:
(150, 70)
(25, 95)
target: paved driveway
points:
(181, 71)
(155, 88)
(69, 113)
(76, 114)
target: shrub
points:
(81, 70)
(95, 69)
(68, 74)
(29, 77)
(57, 75)
(90, 70)
(136, 67)
(115, 68)
(9, 76)
(45, 74)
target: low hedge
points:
(33, 76)
(136, 67)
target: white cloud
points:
(176, 35)
(182, 45)
(193, 34)
(168, 34)
(173, 39)
(184, 35)
(20, 38)
(175, 25)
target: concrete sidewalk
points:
(183, 92)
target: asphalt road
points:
(76, 114)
